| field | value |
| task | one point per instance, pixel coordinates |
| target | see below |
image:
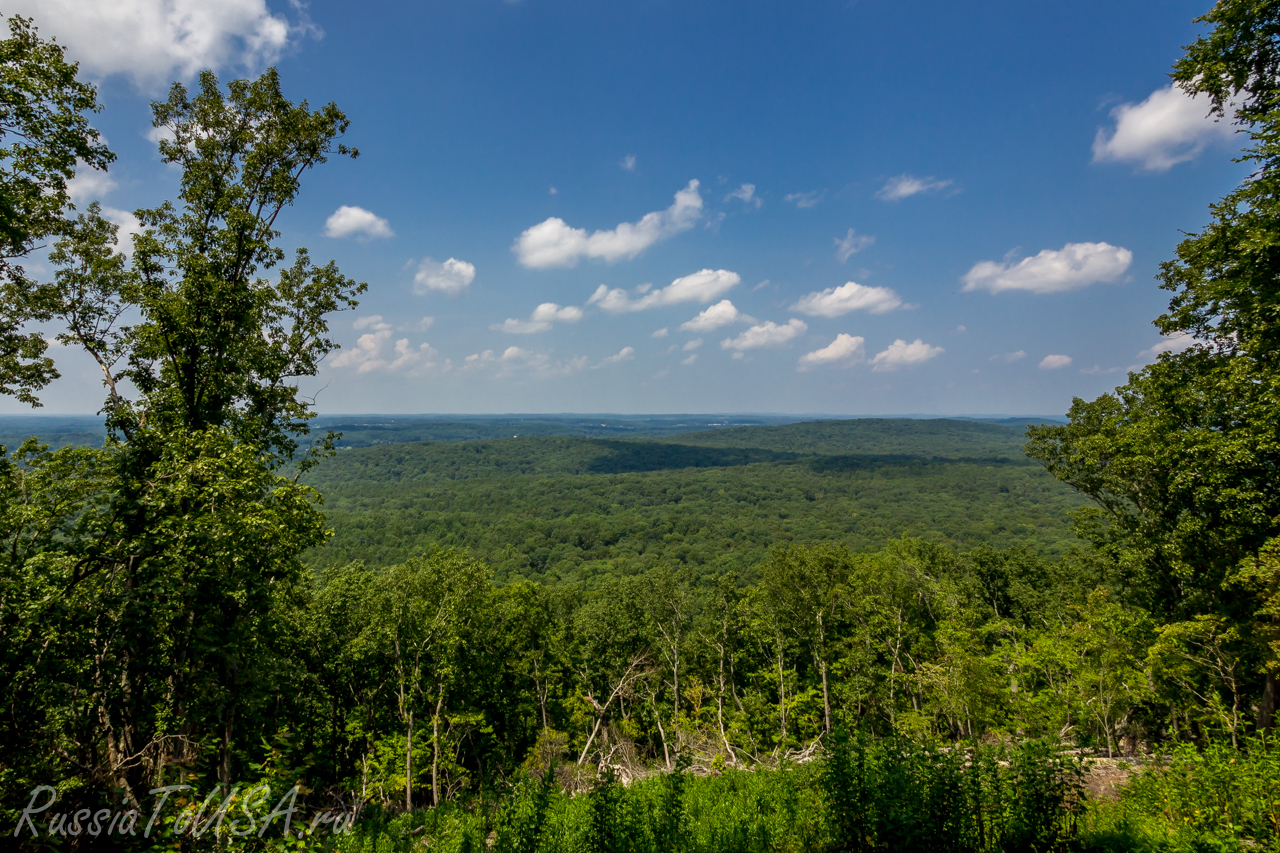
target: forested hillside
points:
(826, 636)
(713, 502)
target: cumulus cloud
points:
(1169, 343)
(515, 360)
(541, 319)
(629, 163)
(690, 360)
(808, 199)
(1168, 128)
(766, 334)
(701, 286)
(89, 185)
(370, 352)
(418, 325)
(905, 186)
(553, 243)
(721, 314)
(692, 345)
(624, 354)
(1055, 362)
(850, 296)
(350, 221)
(845, 351)
(451, 277)
(850, 244)
(661, 333)
(903, 354)
(1009, 357)
(373, 321)
(747, 195)
(128, 224)
(1074, 266)
(153, 41)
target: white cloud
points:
(903, 354)
(850, 296)
(624, 354)
(1169, 343)
(1073, 266)
(350, 221)
(690, 360)
(153, 41)
(808, 199)
(692, 345)
(1055, 362)
(451, 277)
(515, 360)
(845, 350)
(905, 186)
(747, 195)
(1168, 128)
(369, 354)
(661, 333)
(766, 334)
(701, 286)
(629, 163)
(1099, 370)
(418, 325)
(721, 314)
(129, 225)
(1009, 357)
(851, 244)
(373, 321)
(541, 319)
(552, 243)
(89, 185)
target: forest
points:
(225, 629)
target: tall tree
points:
(1184, 460)
(44, 134)
(186, 544)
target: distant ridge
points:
(365, 430)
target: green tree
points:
(44, 136)
(1184, 460)
(159, 603)
(422, 614)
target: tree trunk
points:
(662, 733)
(435, 749)
(826, 700)
(782, 697)
(720, 709)
(408, 766)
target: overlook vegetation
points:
(818, 636)
(714, 502)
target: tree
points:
(177, 556)
(44, 131)
(1184, 460)
(806, 590)
(422, 614)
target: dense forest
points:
(223, 631)
(709, 502)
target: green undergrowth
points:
(867, 796)
(1219, 798)
(889, 795)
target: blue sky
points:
(910, 207)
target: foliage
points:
(44, 131)
(572, 509)
(1184, 460)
